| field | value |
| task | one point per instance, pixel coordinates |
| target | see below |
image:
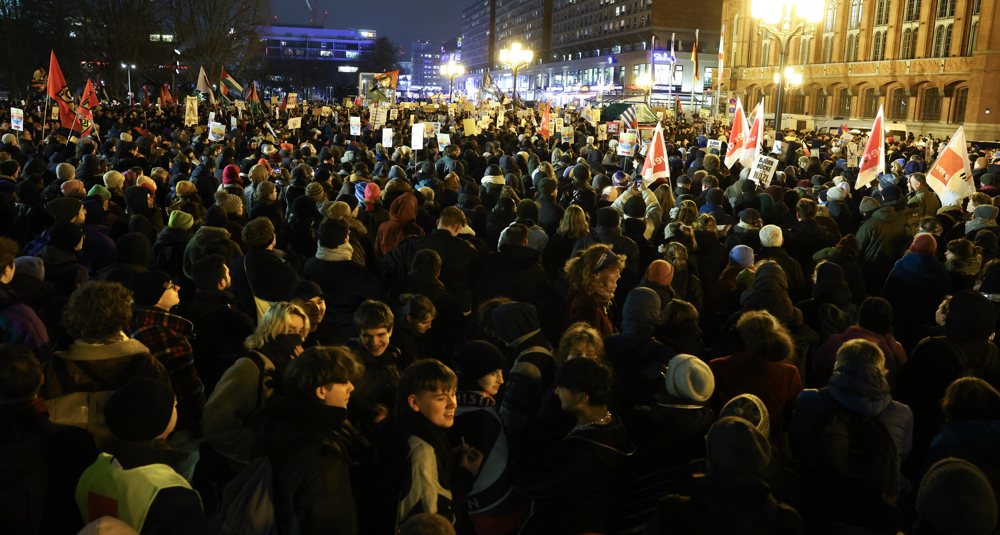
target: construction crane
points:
(314, 12)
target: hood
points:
(981, 436)
(135, 199)
(860, 388)
(512, 258)
(770, 276)
(201, 171)
(830, 286)
(641, 314)
(613, 441)
(207, 235)
(508, 165)
(404, 208)
(971, 318)
(494, 179)
(919, 266)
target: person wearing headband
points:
(593, 275)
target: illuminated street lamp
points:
(129, 69)
(792, 78)
(776, 16)
(451, 70)
(645, 81)
(515, 58)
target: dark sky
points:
(402, 21)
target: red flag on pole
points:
(544, 129)
(284, 104)
(753, 144)
(357, 101)
(951, 171)
(738, 136)
(656, 167)
(58, 91)
(873, 159)
(87, 103)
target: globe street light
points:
(645, 81)
(515, 58)
(451, 70)
(792, 78)
(128, 69)
(776, 17)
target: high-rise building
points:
(526, 22)
(477, 34)
(926, 63)
(426, 58)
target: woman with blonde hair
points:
(665, 197)
(228, 425)
(559, 248)
(593, 275)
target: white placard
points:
(763, 169)
(387, 138)
(293, 99)
(417, 141)
(211, 117)
(17, 119)
(355, 126)
(393, 114)
(295, 122)
(714, 144)
(777, 148)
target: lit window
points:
(154, 37)
(168, 38)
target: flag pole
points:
(694, 81)
(45, 116)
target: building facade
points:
(477, 34)
(311, 60)
(426, 59)
(528, 22)
(927, 63)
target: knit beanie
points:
(688, 377)
(141, 410)
(741, 255)
(99, 190)
(231, 175)
(73, 188)
(146, 182)
(148, 286)
(30, 265)
(230, 203)
(660, 272)
(891, 193)
(734, 446)
(477, 359)
(372, 192)
(607, 217)
(185, 188)
(869, 204)
(65, 235)
(314, 189)
(836, 194)
(527, 212)
(887, 179)
(749, 215)
(113, 179)
(635, 207)
(180, 219)
(514, 320)
(547, 186)
(955, 498)
(749, 186)
(64, 209)
(924, 244)
(752, 409)
(985, 211)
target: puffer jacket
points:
(884, 236)
(915, 287)
(770, 292)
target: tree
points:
(383, 56)
(220, 33)
(31, 29)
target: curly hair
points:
(98, 312)
(580, 272)
(579, 332)
(764, 337)
(574, 223)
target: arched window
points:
(854, 18)
(882, 13)
(972, 38)
(827, 49)
(857, 44)
(844, 109)
(912, 11)
(871, 104)
(932, 105)
(898, 104)
(963, 97)
(938, 38)
(878, 46)
(848, 49)
(904, 46)
(831, 16)
(913, 46)
(804, 50)
(736, 36)
(820, 102)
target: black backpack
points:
(849, 461)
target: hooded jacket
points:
(770, 292)
(915, 287)
(637, 357)
(853, 275)
(401, 224)
(515, 272)
(143, 218)
(884, 236)
(195, 248)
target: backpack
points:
(985, 370)
(850, 462)
(86, 409)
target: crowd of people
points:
(304, 331)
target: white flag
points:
(204, 86)
(738, 137)
(873, 159)
(752, 147)
(951, 171)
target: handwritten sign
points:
(387, 138)
(763, 169)
(417, 141)
(17, 118)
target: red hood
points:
(404, 208)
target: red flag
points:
(655, 166)
(165, 94)
(873, 159)
(544, 130)
(738, 136)
(357, 101)
(952, 172)
(284, 104)
(752, 146)
(87, 103)
(843, 128)
(58, 91)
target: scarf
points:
(424, 429)
(280, 351)
(342, 252)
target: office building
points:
(477, 34)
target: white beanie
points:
(126, 137)
(688, 377)
(590, 140)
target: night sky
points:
(402, 21)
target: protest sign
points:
(613, 128)
(567, 134)
(602, 132)
(469, 125)
(17, 119)
(626, 144)
(417, 141)
(714, 144)
(190, 111)
(216, 132)
(355, 126)
(763, 169)
(443, 140)
(293, 99)
(387, 138)
(295, 122)
(211, 117)
(232, 122)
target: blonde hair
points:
(665, 197)
(580, 331)
(546, 169)
(676, 255)
(687, 212)
(274, 323)
(574, 223)
(580, 272)
(706, 222)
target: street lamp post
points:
(451, 70)
(776, 18)
(515, 57)
(128, 69)
(173, 76)
(645, 81)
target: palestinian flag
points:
(228, 83)
(284, 104)
(253, 98)
(381, 83)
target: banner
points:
(417, 141)
(17, 119)
(58, 91)
(755, 138)
(951, 171)
(355, 126)
(190, 111)
(204, 86)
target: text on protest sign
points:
(418, 136)
(763, 169)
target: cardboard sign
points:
(763, 169)
(559, 124)
(567, 134)
(715, 144)
(274, 100)
(232, 122)
(443, 140)
(602, 132)
(211, 117)
(190, 111)
(316, 111)
(294, 123)
(437, 128)
(852, 160)
(347, 102)
(355, 126)
(54, 114)
(469, 125)
(293, 99)
(17, 119)
(626, 144)
(417, 141)
(326, 111)
(216, 131)
(387, 138)
(613, 128)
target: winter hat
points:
(607, 217)
(64, 209)
(887, 179)
(547, 186)
(65, 235)
(231, 175)
(30, 265)
(477, 359)
(924, 244)
(185, 188)
(803, 184)
(955, 497)
(126, 137)
(314, 189)
(660, 272)
(581, 172)
(891, 193)
(527, 212)
(749, 215)
(493, 170)
(689, 378)
(372, 192)
(619, 178)
(73, 188)
(146, 182)
(749, 186)
(734, 446)
(869, 204)
(635, 207)
(141, 410)
(818, 180)
(99, 190)
(985, 211)
(230, 203)
(752, 409)
(836, 194)
(514, 320)
(741, 255)
(180, 219)
(714, 196)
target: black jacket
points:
(514, 272)
(346, 285)
(267, 273)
